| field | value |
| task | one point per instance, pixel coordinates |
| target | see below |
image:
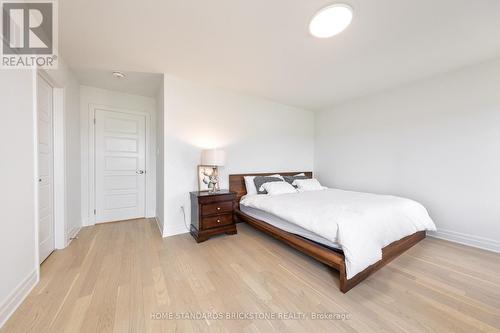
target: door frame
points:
(58, 163)
(91, 156)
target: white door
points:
(120, 166)
(45, 170)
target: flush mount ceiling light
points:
(118, 75)
(331, 20)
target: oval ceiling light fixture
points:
(118, 75)
(331, 20)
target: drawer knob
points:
(218, 208)
(218, 221)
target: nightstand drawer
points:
(216, 198)
(217, 208)
(216, 221)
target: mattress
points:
(287, 226)
(361, 223)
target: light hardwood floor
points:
(116, 275)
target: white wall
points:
(436, 141)
(18, 259)
(258, 136)
(160, 153)
(102, 97)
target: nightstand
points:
(212, 214)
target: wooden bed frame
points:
(326, 255)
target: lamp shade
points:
(214, 157)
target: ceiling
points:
(263, 48)
(144, 84)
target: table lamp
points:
(214, 158)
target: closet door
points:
(45, 169)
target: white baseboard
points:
(159, 224)
(173, 230)
(86, 222)
(8, 306)
(72, 234)
(151, 214)
(466, 239)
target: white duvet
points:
(362, 223)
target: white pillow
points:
(275, 188)
(308, 184)
(250, 185)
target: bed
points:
(325, 249)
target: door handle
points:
(140, 172)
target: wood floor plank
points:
(123, 277)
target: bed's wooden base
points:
(389, 253)
(319, 252)
(330, 257)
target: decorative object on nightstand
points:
(208, 171)
(212, 214)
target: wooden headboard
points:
(237, 182)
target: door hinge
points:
(95, 212)
(94, 121)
